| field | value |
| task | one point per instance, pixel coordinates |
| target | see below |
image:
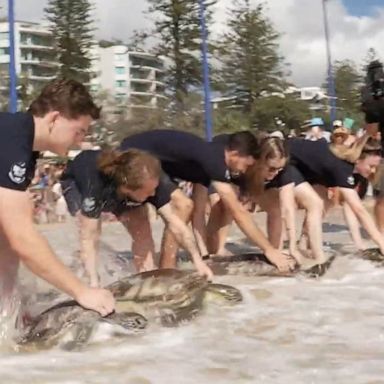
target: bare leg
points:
(9, 297)
(218, 226)
(269, 202)
(379, 213)
(314, 206)
(182, 206)
(136, 221)
(354, 226)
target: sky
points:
(355, 26)
(362, 7)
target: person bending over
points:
(122, 183)
(187, 157)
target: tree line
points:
(247, 69)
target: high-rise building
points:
(34, 55)
(133, 78)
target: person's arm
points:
(89, 243)
(244, 220)
(34, 251)
(353, 200)
(200, 200)
(288, 209)
(184, 236)
(372, 129)
(353, 225)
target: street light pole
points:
(331, 80)
(207, 91)
(12, 63)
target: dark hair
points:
(131, 168)
(69, 97)
(243, 142)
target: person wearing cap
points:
(316, 131)
(278, 134)
(339, 135)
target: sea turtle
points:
(372, 254)
(256, 264)
(169, 295)
(70, 326)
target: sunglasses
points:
(275, 169)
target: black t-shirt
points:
(313, 161)
(98, 192)
(183, 155)
(17, 158)
(374, 113)
(290, 174)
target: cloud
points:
(300, 23)
(302, 43)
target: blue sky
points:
(362, 7)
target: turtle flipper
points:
(82, 333)
(222, 292)
(318, 270)
(131, 321)
(372, 254)
(184, 312)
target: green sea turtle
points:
(70, 326)
(372, 254)
(256, 264)
(169, 295)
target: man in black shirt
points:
(185, 156)
(374, 117)
(58, 118)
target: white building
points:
(134, 78)
(34, 56)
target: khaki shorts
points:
(378, 182)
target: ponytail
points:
(108, 161)
(131, 168)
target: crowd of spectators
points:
(48, 201)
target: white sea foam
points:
(286, 331)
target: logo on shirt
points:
(89, 204)
(131, 204)
(351, 180)
(17, 172)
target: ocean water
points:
(287, 330)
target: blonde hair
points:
(356, 150)
(268, 148)
(131, 168)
